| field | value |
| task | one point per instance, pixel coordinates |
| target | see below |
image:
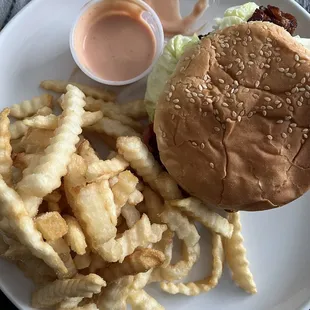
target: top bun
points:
(232, 125)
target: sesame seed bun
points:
(232, 125)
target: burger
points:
(232, 116)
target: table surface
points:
(4, 302)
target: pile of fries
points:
(92, 232)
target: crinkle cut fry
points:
(187, 232)
(5, 147)
(86, 151)
(235, 254)
(114, 296)
(106, 168)
(113, 128)
(200, 212)
(60, 87)
(141, 300)
(55, 292)
(139, 261)
(205, 285)
(13, 209)
(53, 164)
(30, 107)
(141, 234)
(140, 159)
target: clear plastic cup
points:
(149, 16)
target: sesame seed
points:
(250, 114)
(200, 87)
(200, 95)
(279, 106)
(293, 125)
(212, 165)
(168, 99)
(281, 69)
(194, 94)
(305, 130)
(253, 56)
(250, 63)
(289, 130)
(262, 65)
(240, 104)
(200, 110)
(307, 95)
(266, 88)
(270, 137)
(239, 118)
(244, 43)
(305, 136)
(267, 66)
(224, 104)
(210, 86)
(176, 101)
(218, 119)
(269, 107)
(248, 32)
(212, 46)
(265, 113)
(172, 116)
(288, 93)
(234, 52)
(223, 126)
(257, 83)
(278, 59)
(269, 40)
(299, 103)
(187, 91)
(192, 100)
(217, 129)
(302, 141)
(233, 114)
(280, 121)
(170, 94)
(204, 113)
(238, 73)
(291, 109)
(301, 99)
(302, 89)
(250, 39)
(216, 112)
(287, 118)
(229, 66)
(189, 95)
(194, 143)
(303, 81)
(178, 107)
(297, 65)
(288, 146)
(256, 96)
(246, 90)
(261, 53)
(238, 60)
(277, 48)
(288, 100)
(242, 113)
(297, 58)
(268, 99)
(302, 61)
(284, 135)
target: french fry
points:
(112, 127)
(96, 263)
(82, 261)
(139, 261)
(125, 186)
(51, 225)
(165, 245)
(51, 121)
(91, 306)
(135, 197)
(87, 152)
(60, 87)
(23, 160)
(19, 129)
(167, 187)
(154, 205)
(30, 107)
(200, 212)
(187, 232)
(17, 146)
(53, 164)
(235, 255)
(131, 214)
(91, 205)
(106, 168)
(13, 209)
(54, 196)
(141, 300)
(75, 237)
(139, 157)
(16, 175)
(113, 181)
(135, 109)
(69, 303)
(36, 140)
(53, 293)
(36, 269)
(140, 235)
(16, 251)
(63, 250)
(205, 285)
(114, 296)
(112, 111)
(5, 147)
(53, 207)
(141, 280)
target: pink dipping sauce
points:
(113, 41)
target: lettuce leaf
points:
(164, 68)
(236, 15)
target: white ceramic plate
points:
(34, 46)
